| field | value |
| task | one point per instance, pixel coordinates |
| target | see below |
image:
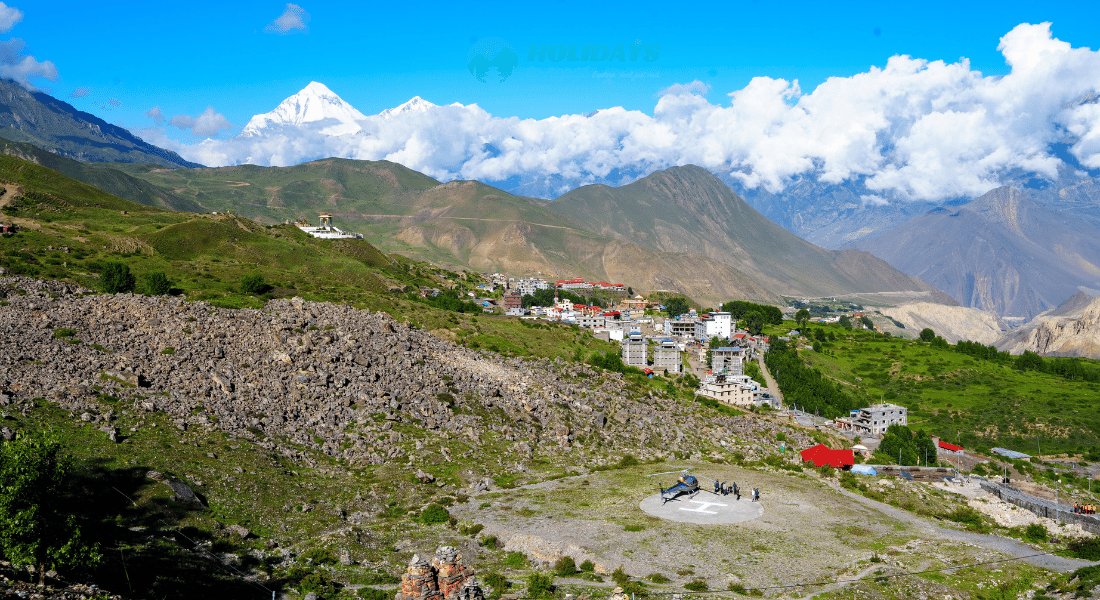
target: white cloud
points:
(293, 20)
(156, 115)
(9, 16)
(81, 92)
(913, 129)
(208, 124)
(23, 68)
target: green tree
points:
(802, 317)
(867, 322)
(254, 284)
(845, 322)
(155, 283)
(35, 527)
(677, 306)
(754, 323)
(927, 335)
(116, 278)
(540, 585)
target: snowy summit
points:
(315, 104)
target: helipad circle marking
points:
(703, 508)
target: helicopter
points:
(687, 484)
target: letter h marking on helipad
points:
(703, 506)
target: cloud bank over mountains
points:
(914, 129)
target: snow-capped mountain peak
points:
(415, 104)
(313, 104)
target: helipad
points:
(703, 508)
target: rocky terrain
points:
(953, 323)
(332, 379)
(1072, 329)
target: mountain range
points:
(681, 228)
(50, 124)
(1003, 252)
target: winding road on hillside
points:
(1007, 546)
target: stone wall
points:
(1043, 508)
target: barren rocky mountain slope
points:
(1072, 329)
(330, 378)
(953, 323)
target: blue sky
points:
(378, 55)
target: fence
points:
(1041, 507)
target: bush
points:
(253, 284)
(320, 556)
(498, 582)
(697, 585)
(155, 283)
(628, 461)
(1035, 533)
(434, 514)
(540, 585)
(64, 332)
(565, 566)
(490, 541)
(1087, 549)
(657, 578)
(369, 593)
(117, 278)
(588, 566)
(620, 577)
(516, 560)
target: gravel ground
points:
(810, 532)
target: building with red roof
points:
(822, 455)
(950, 447)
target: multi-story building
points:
(717, 325)
(635, 350)
(513, 300)
(681, 327)
(727, 359)
(735, 390)
(591, 321)
(667, 356)
(876, 419)
(530, 286)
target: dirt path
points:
(999, 544)
(773, 387)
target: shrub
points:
(253, 284)
(168, 350)
(320, 556)
(498, 582)
(697, 585)
(1087, 549)
(565, 566)
(369, 593)
(620, 577)
(434, 514)
(155, 283)
(64, 332)
(1035, 533)
(588, 566)
(540, 585)
(516, 560)
(628, 461)
(657, 578)
(490, 542)
(117, 278)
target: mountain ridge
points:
(54, 125)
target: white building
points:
(326, 231)
(530, 286)
(717, 325)
(876, 419)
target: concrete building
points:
(729, 359)
(735, 390)
(591, 321)
(513, 300)
(325, 230)
(667, 356)
(874, 420)
(682, 327)
(717, 325)
(635, 350)
(530, 286)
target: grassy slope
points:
(976, 402)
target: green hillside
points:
(976, 402)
